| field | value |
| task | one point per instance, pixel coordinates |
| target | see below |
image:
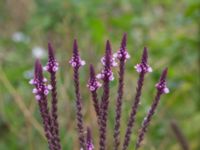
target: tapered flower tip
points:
(93, 84)
(164, 75)
(92, 72)
(161, 85)
(108, 48)
(50, 50)
(108, 54)
(143, 66)
(38, 70)
(75, 48)
(145, 56)
(123, 43)
(76, 61)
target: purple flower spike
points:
(41, 87)
(41, 90)
(108, 61)
(143, 66)
(76, 60)
(106, 76)
(90, 145)
(160, 90)
(52, 67)
(111, 61)
(161, 85)
(93, 84)
(52, 64)
(122, 53)
(76, 63)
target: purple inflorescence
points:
(101, 106)
(161, 89)
(93, 84)
(109, 62)
(106, 73)
(76, 60)
(162, 86)
(122, 53)
(52, 64)
(40, 87)
(113, 62)
(143, 66)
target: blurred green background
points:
(171, 31)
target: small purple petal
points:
(34, 91)
(37, 97)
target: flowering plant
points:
(109, 60)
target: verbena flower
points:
(122, 55)
(108, 62)
(161, 89)
(93, 84)
(101, 106)
(142, 69)
(143, 66)
(52, 68)
(106, 76)
(41, 87)
(76, 61)
(41, 90)
(52, 64)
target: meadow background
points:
(171, 31)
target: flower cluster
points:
(106, 73)
(161, 85)
(52, 66)
(93, 84)
(108, 61)
(76, 60)
(113, 62)
(122, 53)
(143, 68)
(101, 106)
(40, 87)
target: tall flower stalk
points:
(106, 75)
(122, 55)
(161, 89)
(76, 63)
(93, 85)
(52, 67)
(142, 69)
(41, 90)
(49, 116)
